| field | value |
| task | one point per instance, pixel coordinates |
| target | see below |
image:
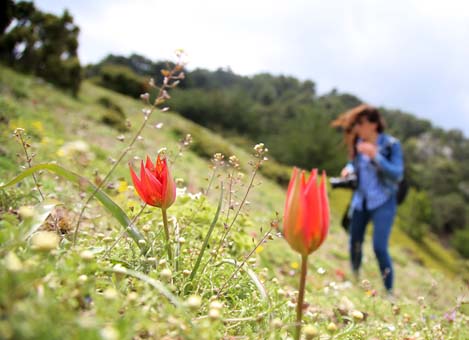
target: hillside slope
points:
(71, 132)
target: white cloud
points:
(407, 54)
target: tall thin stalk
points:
(166, 233)
(230, 186)
(301, 295)
(259, 152)
(172, 75)
(241, 205)
(19, 134)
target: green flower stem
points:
(301, 295)
(166, 233)
(207, 237)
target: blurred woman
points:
(376, 160)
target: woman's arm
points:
(394, 166)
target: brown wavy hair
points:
(347, 121)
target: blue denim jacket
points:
(389, 165)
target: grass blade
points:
(207, 237)
(145, 278)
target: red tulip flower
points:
(156, 187)
(306, 217)
(305, 224)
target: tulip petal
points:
(149, 164)
(160, 164)
(325, 208)
(312, 229)
(138, 184)
(313, 177)
(153, 186)
(292, 219)
(292, 181)
(169, 189)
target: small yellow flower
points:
(259, 249)
(295, 265)
(123, 186)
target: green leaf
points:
(151, 281)
(84, 184)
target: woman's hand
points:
(368, 149)
(345, 172)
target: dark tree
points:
(41, 43)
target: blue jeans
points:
(383, 218)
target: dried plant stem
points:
(184, 144)
(28, 160)
(210, 181)
(244, 261)
(229, 197)
(241, 205)
(166, 233)
(301, 295)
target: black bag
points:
(402, 189)
(346, 218)
(402, 185)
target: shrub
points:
(7, 111)
(204, 144)
(460, 241)
(415, 214)
(114, 115)
(122, 79)
(277, 172)
(449, 213)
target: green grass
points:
(88, 292)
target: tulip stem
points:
(166, 233)
(301, 295)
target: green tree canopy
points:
(41, 43)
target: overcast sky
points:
(411, 55)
